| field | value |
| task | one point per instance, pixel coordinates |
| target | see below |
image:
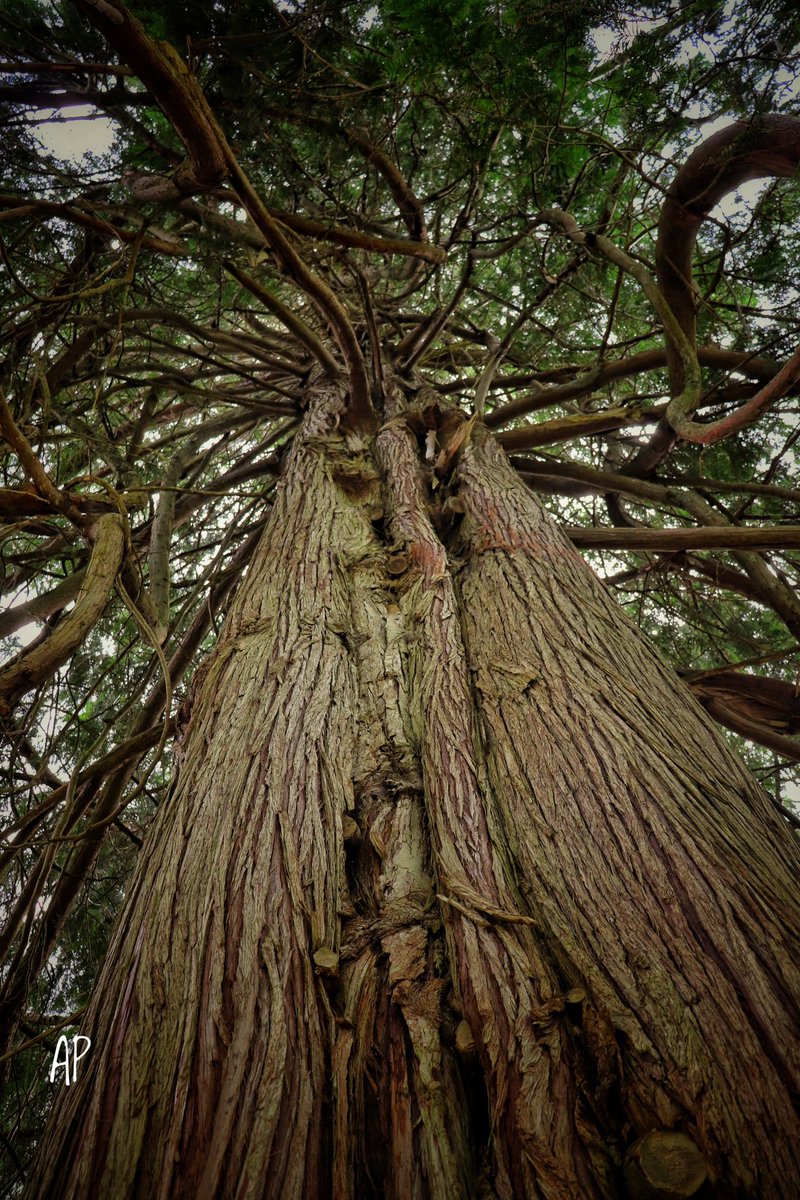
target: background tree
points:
(454, 890)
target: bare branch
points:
(35, 665)
(763, 146)
(293, 323)
(211, 159)
(728, 537)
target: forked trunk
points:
(457, 892)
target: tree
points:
(455, 889)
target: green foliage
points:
(117, 353)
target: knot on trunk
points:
(663, 1165)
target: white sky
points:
(74, 136)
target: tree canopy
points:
(575, 221)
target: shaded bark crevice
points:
(457, 892)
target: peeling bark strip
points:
(230, 1059)
(457, 893)
(500, 977)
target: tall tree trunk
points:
(457, 892)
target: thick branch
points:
(727, 537)
(707, 434)
(18, 503)
(755, 731)
(34, 469)
(39, 607)
(760, 147)
(23, 206)
(577, 425)
(763, 146)
(325, 231)
(35, 665)
(211, 159)
(166, 76)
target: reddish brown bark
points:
(656, 869)
(457, 892)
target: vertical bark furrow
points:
(398, 1119)
(456, 893)
(658, 912)
(502, 980)
(224, 1001)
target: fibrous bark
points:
(652, 862)
(457, 892)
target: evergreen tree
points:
(382, 844)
